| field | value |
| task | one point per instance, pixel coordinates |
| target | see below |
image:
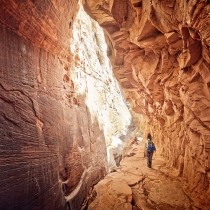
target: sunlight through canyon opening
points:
(65, 125)
(93, 77)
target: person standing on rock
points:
(150, 148)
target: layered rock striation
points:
(51, 150)
(160, 55)
(50, 144)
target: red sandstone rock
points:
(160, 54)
(166, 77)
(151, 188)
(51, 151)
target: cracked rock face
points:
(139, 187)
(161, 57)
(160, 53)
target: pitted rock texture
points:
(46, 23)
(51, 150)
(161, 57)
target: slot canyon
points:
(79, 80)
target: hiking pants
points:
(149, 159)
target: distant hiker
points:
(150, 148)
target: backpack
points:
(151, 147)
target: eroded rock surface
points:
(51, 149)
(160, 54)
(139, 187)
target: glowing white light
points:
(92, 75)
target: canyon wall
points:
(93, 77)
(50, 144)
(160, 51)
(51, 149)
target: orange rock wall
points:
(160, 54)
(51, 151)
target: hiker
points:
(150, 148)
